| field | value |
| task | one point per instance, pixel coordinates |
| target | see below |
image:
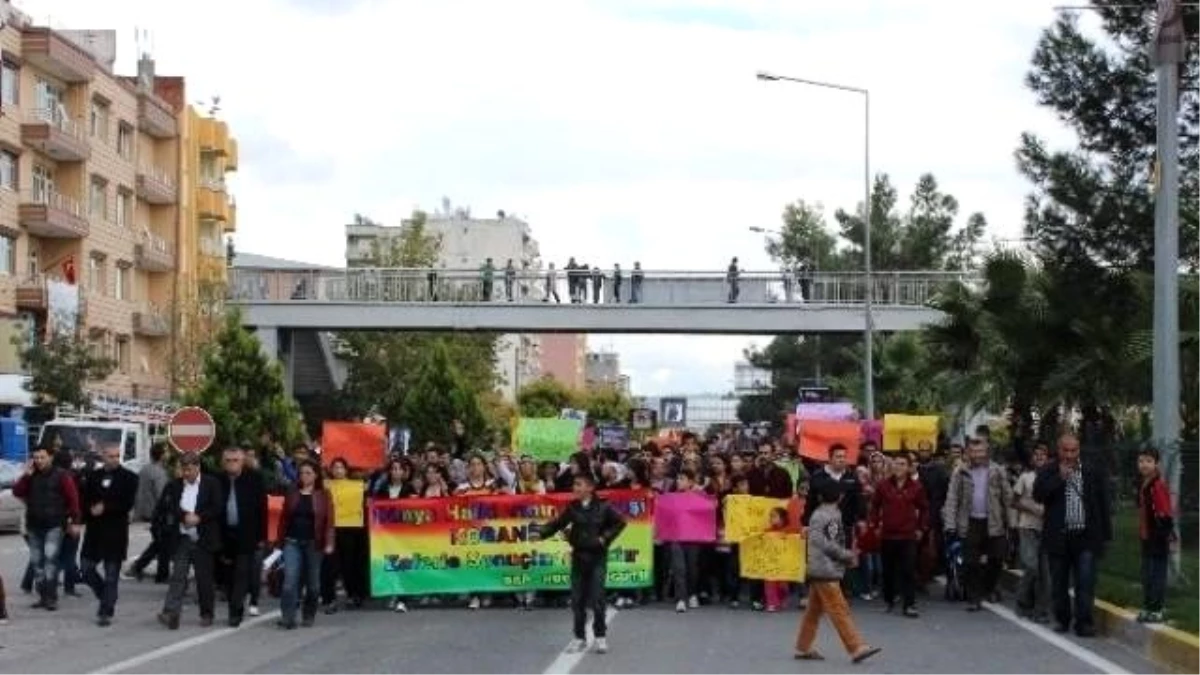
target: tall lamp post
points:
(869, 328)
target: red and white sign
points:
(191, 430)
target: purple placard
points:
(833, 412)
(685, 517)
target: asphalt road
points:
(652, 639)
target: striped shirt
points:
(1075, 518)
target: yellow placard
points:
(908, 430)
(746, 515)
(347, 502)
(773, 556)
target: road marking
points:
(1082, 653)
(566, 661)
(183, 645)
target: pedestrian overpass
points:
(699, 303)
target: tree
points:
(607, 404)
(61, 367)
(440, 394)
(546, 397)
(381, 366)
(198, 319)
(242, 388)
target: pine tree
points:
(61, 368)
(440, 394)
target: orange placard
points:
(795, 514)
(789, 429)
(816, 436)
(361, 444)
(274, 513)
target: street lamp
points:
(869, 328)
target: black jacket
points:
(1049, 490)
(107, 535)
(936, 481)
(852, 506)
(590, 529)
(251, 529)
(210, 506)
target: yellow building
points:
(112, 201)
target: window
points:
(10, 83)
(95, 274)
(131, 443)
(49, 101)
(121, 283)
(8, 255)
(210, 169)
(43, 183)
(124, 199)
(8, 170)
(121, 353)
(32, 267)
(98, 198)
(125, 140)
(98, 121)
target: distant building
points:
(466, 243)
(750, 379)
(603, 369)
(563, 357)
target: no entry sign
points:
(191, 430)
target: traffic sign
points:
(191, 429)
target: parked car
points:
(12, 510)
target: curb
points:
(1168, 647)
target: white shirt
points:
(187, 503)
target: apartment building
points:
(603, 371)
(563, 357)
(90, 168)
(466, 243)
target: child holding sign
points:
(592, 525)
(776, 591)
(827, 563)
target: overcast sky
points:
(620, 129)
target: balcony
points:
(46, 50)
(212, 248)
(154, 254)
(213, 205)
(155, 117)
(53, 133)
(156, 186)
(52, 215)
(149, 321)
(213, 136)
(31, 294)
(231, 156)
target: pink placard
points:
(872, 430)
(833, 412)
(685, 517)
(587, 438)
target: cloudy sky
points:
(620, 129)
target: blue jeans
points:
(45, 547)
(68, 562)
(1075, 566)
(1154, 580)
(301, 564)
(104, 587)
(1033, 591)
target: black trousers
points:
(589, 571)
(899, 558)
(236, 572)
(982, 575)
(348, 563)
(158, 552)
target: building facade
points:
(93, 167)
(466, 244)
(603, 371)
(564, 358)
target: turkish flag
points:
(68, 268)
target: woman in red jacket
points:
(900, 513)
(306, 534)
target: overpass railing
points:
(649, 287)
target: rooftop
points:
(253, 260)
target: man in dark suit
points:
(243, 529)
(192, 508)
(109, 493)
(1077, 524)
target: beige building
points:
(90, 167)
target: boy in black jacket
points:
(592, 525)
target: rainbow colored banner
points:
(483, 544)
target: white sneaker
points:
(601, 646)
(253, 610)
(576, 646)
(400, 606)
(694, 602)
(681, 607)
(474, 604)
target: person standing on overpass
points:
(732, 277)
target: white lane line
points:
(1082, 653)
(182, 645)
(566, 661)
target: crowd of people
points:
(883, 527)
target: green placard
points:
(548, 438)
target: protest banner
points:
(274, 513)
(685, 517)
(872, 431)
(347, 502)
(614, 436)
(817, 436)
(906, 431)
(489, 544)
(362, 444)
(773, 556)
(746, 515)
(830, 412)
(548, 439)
